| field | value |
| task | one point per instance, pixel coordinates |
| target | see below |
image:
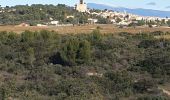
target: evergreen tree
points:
(69, 51)
(84, 52)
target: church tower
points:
(81, 6)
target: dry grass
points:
(83, 29)
(163, 37)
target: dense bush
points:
(47, 66)
(75, 52)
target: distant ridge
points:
(139, 11)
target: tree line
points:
(40, 14)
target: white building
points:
(41, 25)
(113, 21)
(92, 21)
(54, 22)
(123, 23)
(70, 16)
(81, 7)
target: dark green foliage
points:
(141, 22)
(95, 36)
(69, 51)
(102, 20)
(153, 97)
(143, 85)
(40, 14)
(122, 80)
(157, 62)
(27, 36)
(144, 36)
(45, 65)
(157, 58)
(168, 22)
(2, 94)
(157, 33)
(75, 52)
(84, 52)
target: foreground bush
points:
(47, 66)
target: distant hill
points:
(139, 11)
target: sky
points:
(147, 4)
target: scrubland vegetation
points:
(46, 65)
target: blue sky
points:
(149, 4)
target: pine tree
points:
(84, 52)
(68, 52)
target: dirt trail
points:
(165, 91)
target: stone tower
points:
(81, 7)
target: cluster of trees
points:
(46, 65)
(74, 52)
(38, 13)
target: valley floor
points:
(84, 29)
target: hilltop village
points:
(62, 15)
